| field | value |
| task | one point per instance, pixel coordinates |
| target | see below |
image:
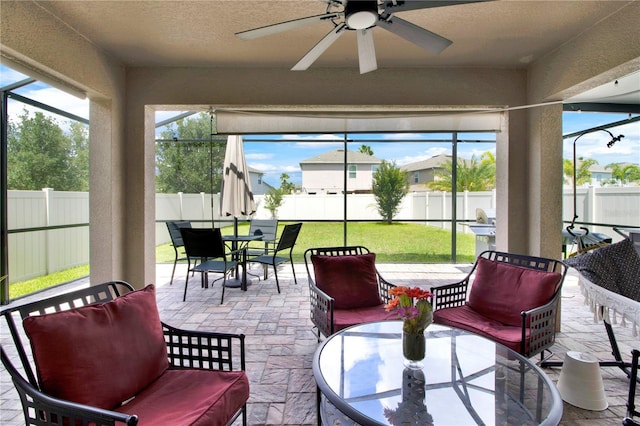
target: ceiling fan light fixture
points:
(361, 14)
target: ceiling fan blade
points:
(285, 26)
(415, 34)
(393, 6)
(366, 51)
(319, 49)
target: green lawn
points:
(392, 243)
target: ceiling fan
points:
(362, 16)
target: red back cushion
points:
(351, 279)
(501, 291)
(100, 355)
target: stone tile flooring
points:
(281, 344)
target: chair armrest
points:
(449, 295)
(40, 408)
(203, 349)
(383, 289)
(321, 310)
(541, 323)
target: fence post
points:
(444, 209)
(181, 202)
(591, 214)
(47, 222)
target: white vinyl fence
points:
(37, 253)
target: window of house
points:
(415, 177)
(259, 179)
(352, 171)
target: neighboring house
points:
(422, 172)
(258, 185)
(599, 174)
(324, 174)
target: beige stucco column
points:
(545, 178)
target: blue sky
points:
(284, 157)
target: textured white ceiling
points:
(501, 33)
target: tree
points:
(472, 175)
(40, 155)
(390, 185)
(272, 201)
(274, 198)
(624, 174)
(286, 187)
(79, 136)
(366, 149)
(183, 157)
(583, 175)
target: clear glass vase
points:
(413, 349)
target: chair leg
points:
(294, 272)
(186, 282)
(174, 271)
(224, 285)
(275, 272)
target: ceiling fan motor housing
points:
(361, 14)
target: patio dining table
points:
(240, 243)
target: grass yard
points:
(393, 243)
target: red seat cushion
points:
(501, 291)
(465, 318)
(100, 355)
(343, 318)
(190, 397)
(351, 280)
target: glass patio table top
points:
(466, 380)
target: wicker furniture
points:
(106, 343)
(509, 298)
(345, 288)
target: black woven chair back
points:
(174, 231)
(289, 236)
(203, 242)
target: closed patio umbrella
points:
(237, 197)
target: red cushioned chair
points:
(509, 298)
(103, 357)
(345, 288)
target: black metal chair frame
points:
(286, 243)
(186, 349)
(540, 321)
(206, 252)
(633, 382)
(268, 230)
(176, 241)
(322, 305)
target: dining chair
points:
(206, 252)
(286, 243)
(176, 242)
(268, 230)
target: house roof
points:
(337, 156)
(430, 163)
